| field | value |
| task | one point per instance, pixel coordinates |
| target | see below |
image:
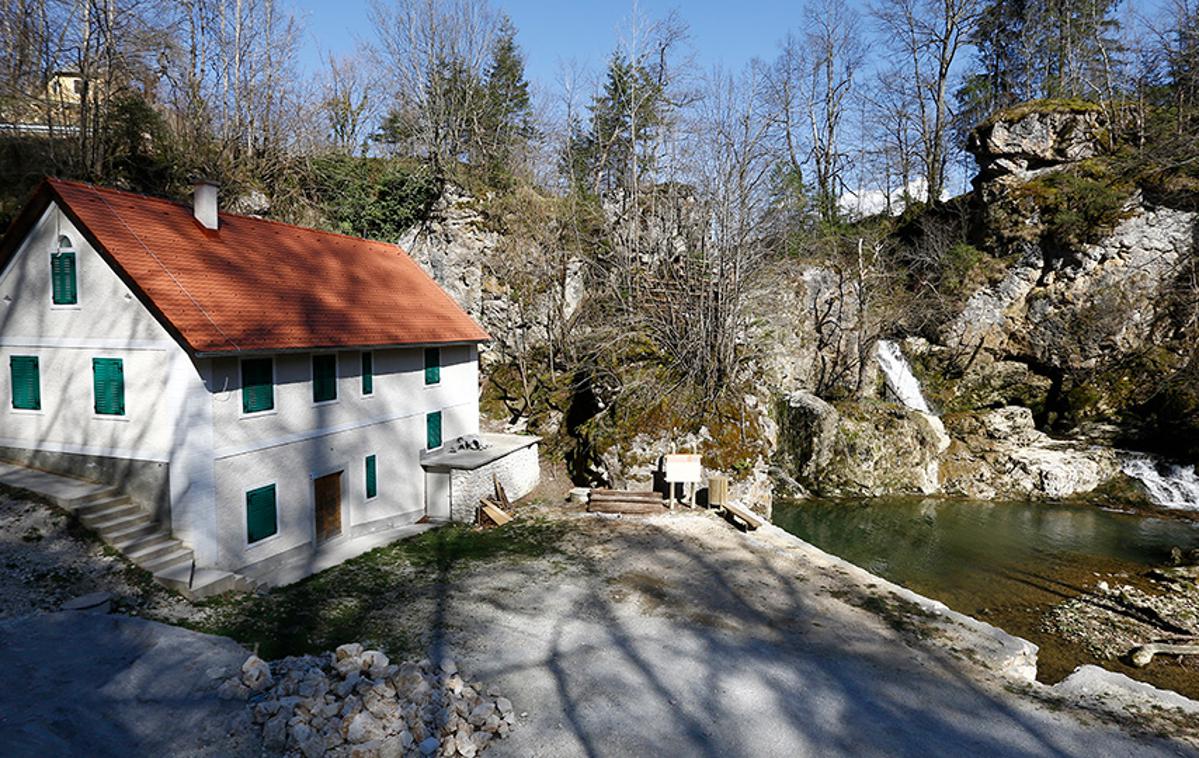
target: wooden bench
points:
(741, 518)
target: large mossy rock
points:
(870, 448)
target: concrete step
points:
(63, 491)
(109, 513)
(125, 544)
(101, 505)
(207, 582)
(118, 524)
(115, 535)
(179, 556)
(150, 548)
(93, 498)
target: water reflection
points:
(959, 549)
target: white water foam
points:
(1169, 485)
(899, 377)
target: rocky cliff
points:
(1055, 347)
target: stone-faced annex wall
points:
(517, 471)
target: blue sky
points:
(552, 33)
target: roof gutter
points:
(332, 348)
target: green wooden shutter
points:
(26, 383)
(261, 518)
(368, 373)
(108, 384)
(432, 365)
(62, 279)
(433, 430)
(324, 378)
(372, 476)
(257, 389)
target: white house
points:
(272, 398)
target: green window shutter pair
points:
(368, 373)
(324, 378)
(372, 476)
(62, 279)
(108, 384)
(432, 365)
(433, 430)
(257, 385)
(26, 383)
(261, 516)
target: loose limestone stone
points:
(256, 674)
(374, 662)
(348, 650)
(355, 702)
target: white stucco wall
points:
(299, 440)
(108, 322)
(165, 419)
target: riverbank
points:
(679, 634)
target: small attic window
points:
(63, 285)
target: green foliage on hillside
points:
(375, 198)
(1079, 205)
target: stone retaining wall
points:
(518, 471)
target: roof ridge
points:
(245, 217)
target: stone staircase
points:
(122, 524)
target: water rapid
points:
(1169, 485)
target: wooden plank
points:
(501, 497)
(749, 519)
(628, 506)
(497, 516)
(621, 495)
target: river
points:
(1005, 563)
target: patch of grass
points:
(1047, 105)
(456, 544)
(368, 598)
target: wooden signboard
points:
(682, 468)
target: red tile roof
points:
(255, 285)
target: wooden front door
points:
(328, 506)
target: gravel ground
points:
(47, 559)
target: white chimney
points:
(204, 203)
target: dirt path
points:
(679, 635)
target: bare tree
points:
(435, 55)
(350, 109)
(929, 34)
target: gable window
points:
(26, 383)
(372, 477)
(432, 365)
(368, 373)
(261, 515)
(433, 430)
(63, 275)
(324, 378)
(108, 386)
(257, 385)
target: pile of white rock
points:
(355, 703)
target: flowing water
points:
(902, 383)
(1169, 485)
(1004, 563)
